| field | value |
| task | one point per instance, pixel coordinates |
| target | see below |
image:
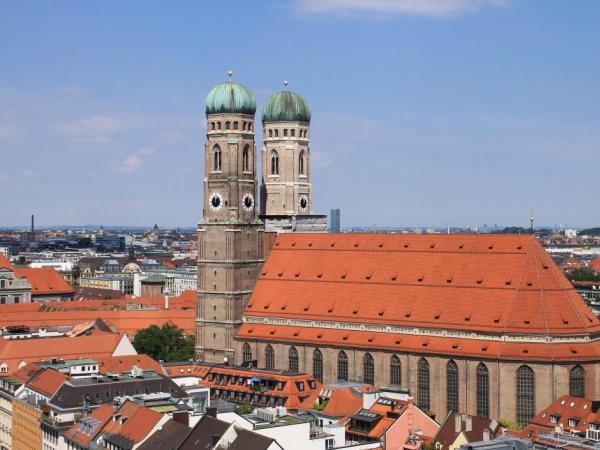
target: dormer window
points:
(573, 421)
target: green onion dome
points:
(286, 106)
(230, 98)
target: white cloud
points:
(29, 173)
(92, 129)
(431, 8)
(134, 162)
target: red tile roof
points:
(113, 312)
(139, 422)
(45, 281)
(47, 381)
(343, 401)
(595, 264)
(5, 263)
(492, 284)
(96, 420)
(563, 409)
(15, 351)
(122, 364)
(294, 397)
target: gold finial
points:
(285, 83)
(230, 73)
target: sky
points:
(424, 112)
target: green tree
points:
(167, 343)
(584, 274)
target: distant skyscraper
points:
(334, 221)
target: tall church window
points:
(423, 385)
(525, 395)
(483, 391)
(228, 125)
(246, 353)
(270, 133)
(301, 163)
(235, 125)
(368, 369)
(249, 126)
(212, 126)
(452, 387)
(318, 365)
(285, 132)
(577, 382)
(342, 365)
(274, 163)
(293, 360)
(246, 158)
(293, 132)
(269, 357)
(217, 158)
(395, 376)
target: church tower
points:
(230, 249)
(286, 191)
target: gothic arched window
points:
(483, 391)
(395, 376)
(368, 369)
(246, 353)
(228, 125)
(212, 126)
(217, 158)
(269, 357)
(246, 158)
(318, 365)
(274, 163)
(423, 385)
(293, 360)
(577, 382)
(270, 133)
(525, 397)
(235, 125)
(301, 163)
(342, 365)
(452, 387)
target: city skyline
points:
(466, 114)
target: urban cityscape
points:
(362, 275)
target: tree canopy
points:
(167, 343)
(584, 274)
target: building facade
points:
(13, 289)
(230, 234)
(286, 189)
(485, 325)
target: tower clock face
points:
(303, 203)
(215, 201)
(248, 201)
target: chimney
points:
(166, 301)
(211, 412)
(468, 423)
(182, 417)
(457, 423)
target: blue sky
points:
(424, 111)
